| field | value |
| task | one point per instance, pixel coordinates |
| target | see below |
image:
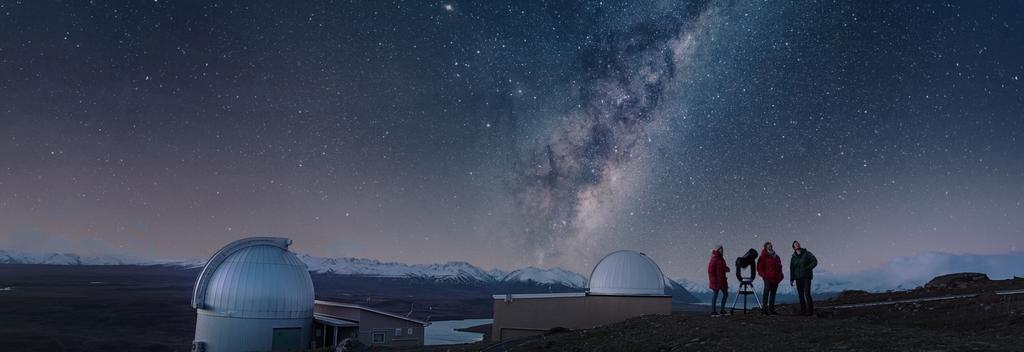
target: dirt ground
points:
(148, 308)
(53, 308)
(984, 323)
(110, 308)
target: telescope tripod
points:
(746, 289)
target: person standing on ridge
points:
(801, 270)
(769, 266)
(717, 281)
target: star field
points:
(513, 133)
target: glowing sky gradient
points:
(514, 133)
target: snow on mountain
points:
(17, 257)
(450, 271)
(497, 273)
(693, 286)
(547, 276)
(370, 267)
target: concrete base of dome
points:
(227, 334)
(517, 316)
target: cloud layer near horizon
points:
(913, 271)
(904, 273)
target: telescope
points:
(747, 261)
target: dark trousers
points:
(803, 289)
(769, 296)
(714, 297)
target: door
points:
(287, 339)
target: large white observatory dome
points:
(627, 273)
(253, 294)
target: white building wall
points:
(222, 334)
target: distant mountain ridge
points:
(450, 271)
(18, 257)
(453, 272)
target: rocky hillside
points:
(962, 312)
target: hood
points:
(715, 254)
(764, 253)
(803, 250)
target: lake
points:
(443, 332)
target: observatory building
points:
(253, 295)
(623, 285)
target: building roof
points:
(627, 273)
(334, 321)
(371, 310)
(255, 277)
(539, 295)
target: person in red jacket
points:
(769, 266)
(717, 280)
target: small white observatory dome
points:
(253, 294)
(627, 273)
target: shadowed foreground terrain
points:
(987, 322)
(147, 308)
(131, 308)
(95, 308)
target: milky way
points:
(576, 181)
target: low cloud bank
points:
(900, 273)
(913, 271)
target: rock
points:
(958, 280)
(989, 298)
(848, 294)
(555, 330)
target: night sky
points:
(514, 133)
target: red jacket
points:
(716, 272)
(769, 267)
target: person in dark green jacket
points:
(801, 270)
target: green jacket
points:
(802, 266)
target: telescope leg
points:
(735, 300)
(758, 299)
(744, 303)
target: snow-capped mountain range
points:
(17, 257)
(449, 270)
(899, 274)
(452, 271)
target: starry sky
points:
(514, 133)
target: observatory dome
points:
(627, 273)
(255, 278)
(253, 295)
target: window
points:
(408, 331)
(380, 338)
(398, 332)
